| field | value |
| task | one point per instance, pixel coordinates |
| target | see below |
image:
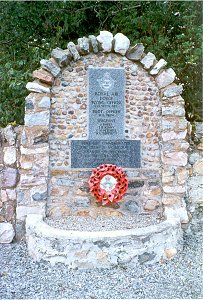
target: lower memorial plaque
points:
(92, 153)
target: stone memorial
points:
(106, 144)
(99, 102)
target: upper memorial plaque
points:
(106, 103)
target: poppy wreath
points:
(108, 183)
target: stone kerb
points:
(103, 249)
(35, 148)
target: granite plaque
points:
(92, 153)
(106, 103)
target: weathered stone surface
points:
(148, 60)
(10, 135)
(199, 129)
(200, 147)
(40, 245)
(23, 138)
(170, 199)
(175, 158)
(82, 202)
(74, 52)
(30, 151)
(172, 135)
(177, 213)
(159, 65)
(135, 184)
(60, 57)
(167, 178)
(176, 100)
(132, 206)
(194, 157)
(37, 88)
(45, 102)
(195, 181)
(29, 105)
(23, 211)
(65, 181)
(11, 193)
(84, 47)
(182, 123)
(7, 233)
(174, 189)
(49, 66)
(175, 110)
(151, 205)
(168, 123)
(195, 194)
(182, 175)
(10, 211)
(59, 211)
(9, 155)
(9, 178)
(183, 215)
(198, 167)
(38, 118)
(173, 91)
(93, 43)
(121, 43)
(152, 192)
(42, 137)
(145, 257)
(39, 196)
(3, 196)
(43, 76)
(135, 53)
(105, 39)
(165, 78)
(134, 70)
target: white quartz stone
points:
(122, 43)
(165, 78)
(9, 155)
(36, 87)
(6, 233)
(160, 65)
(148, 60)
(105, 39)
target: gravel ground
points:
(22, 278)
(103, 223)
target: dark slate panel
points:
(106, 91)
(92, 153)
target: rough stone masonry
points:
(36, 175)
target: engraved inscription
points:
(106, 103)
(92, 153)
(106, 82)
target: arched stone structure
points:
(56, 112)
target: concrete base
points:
(102, 249)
